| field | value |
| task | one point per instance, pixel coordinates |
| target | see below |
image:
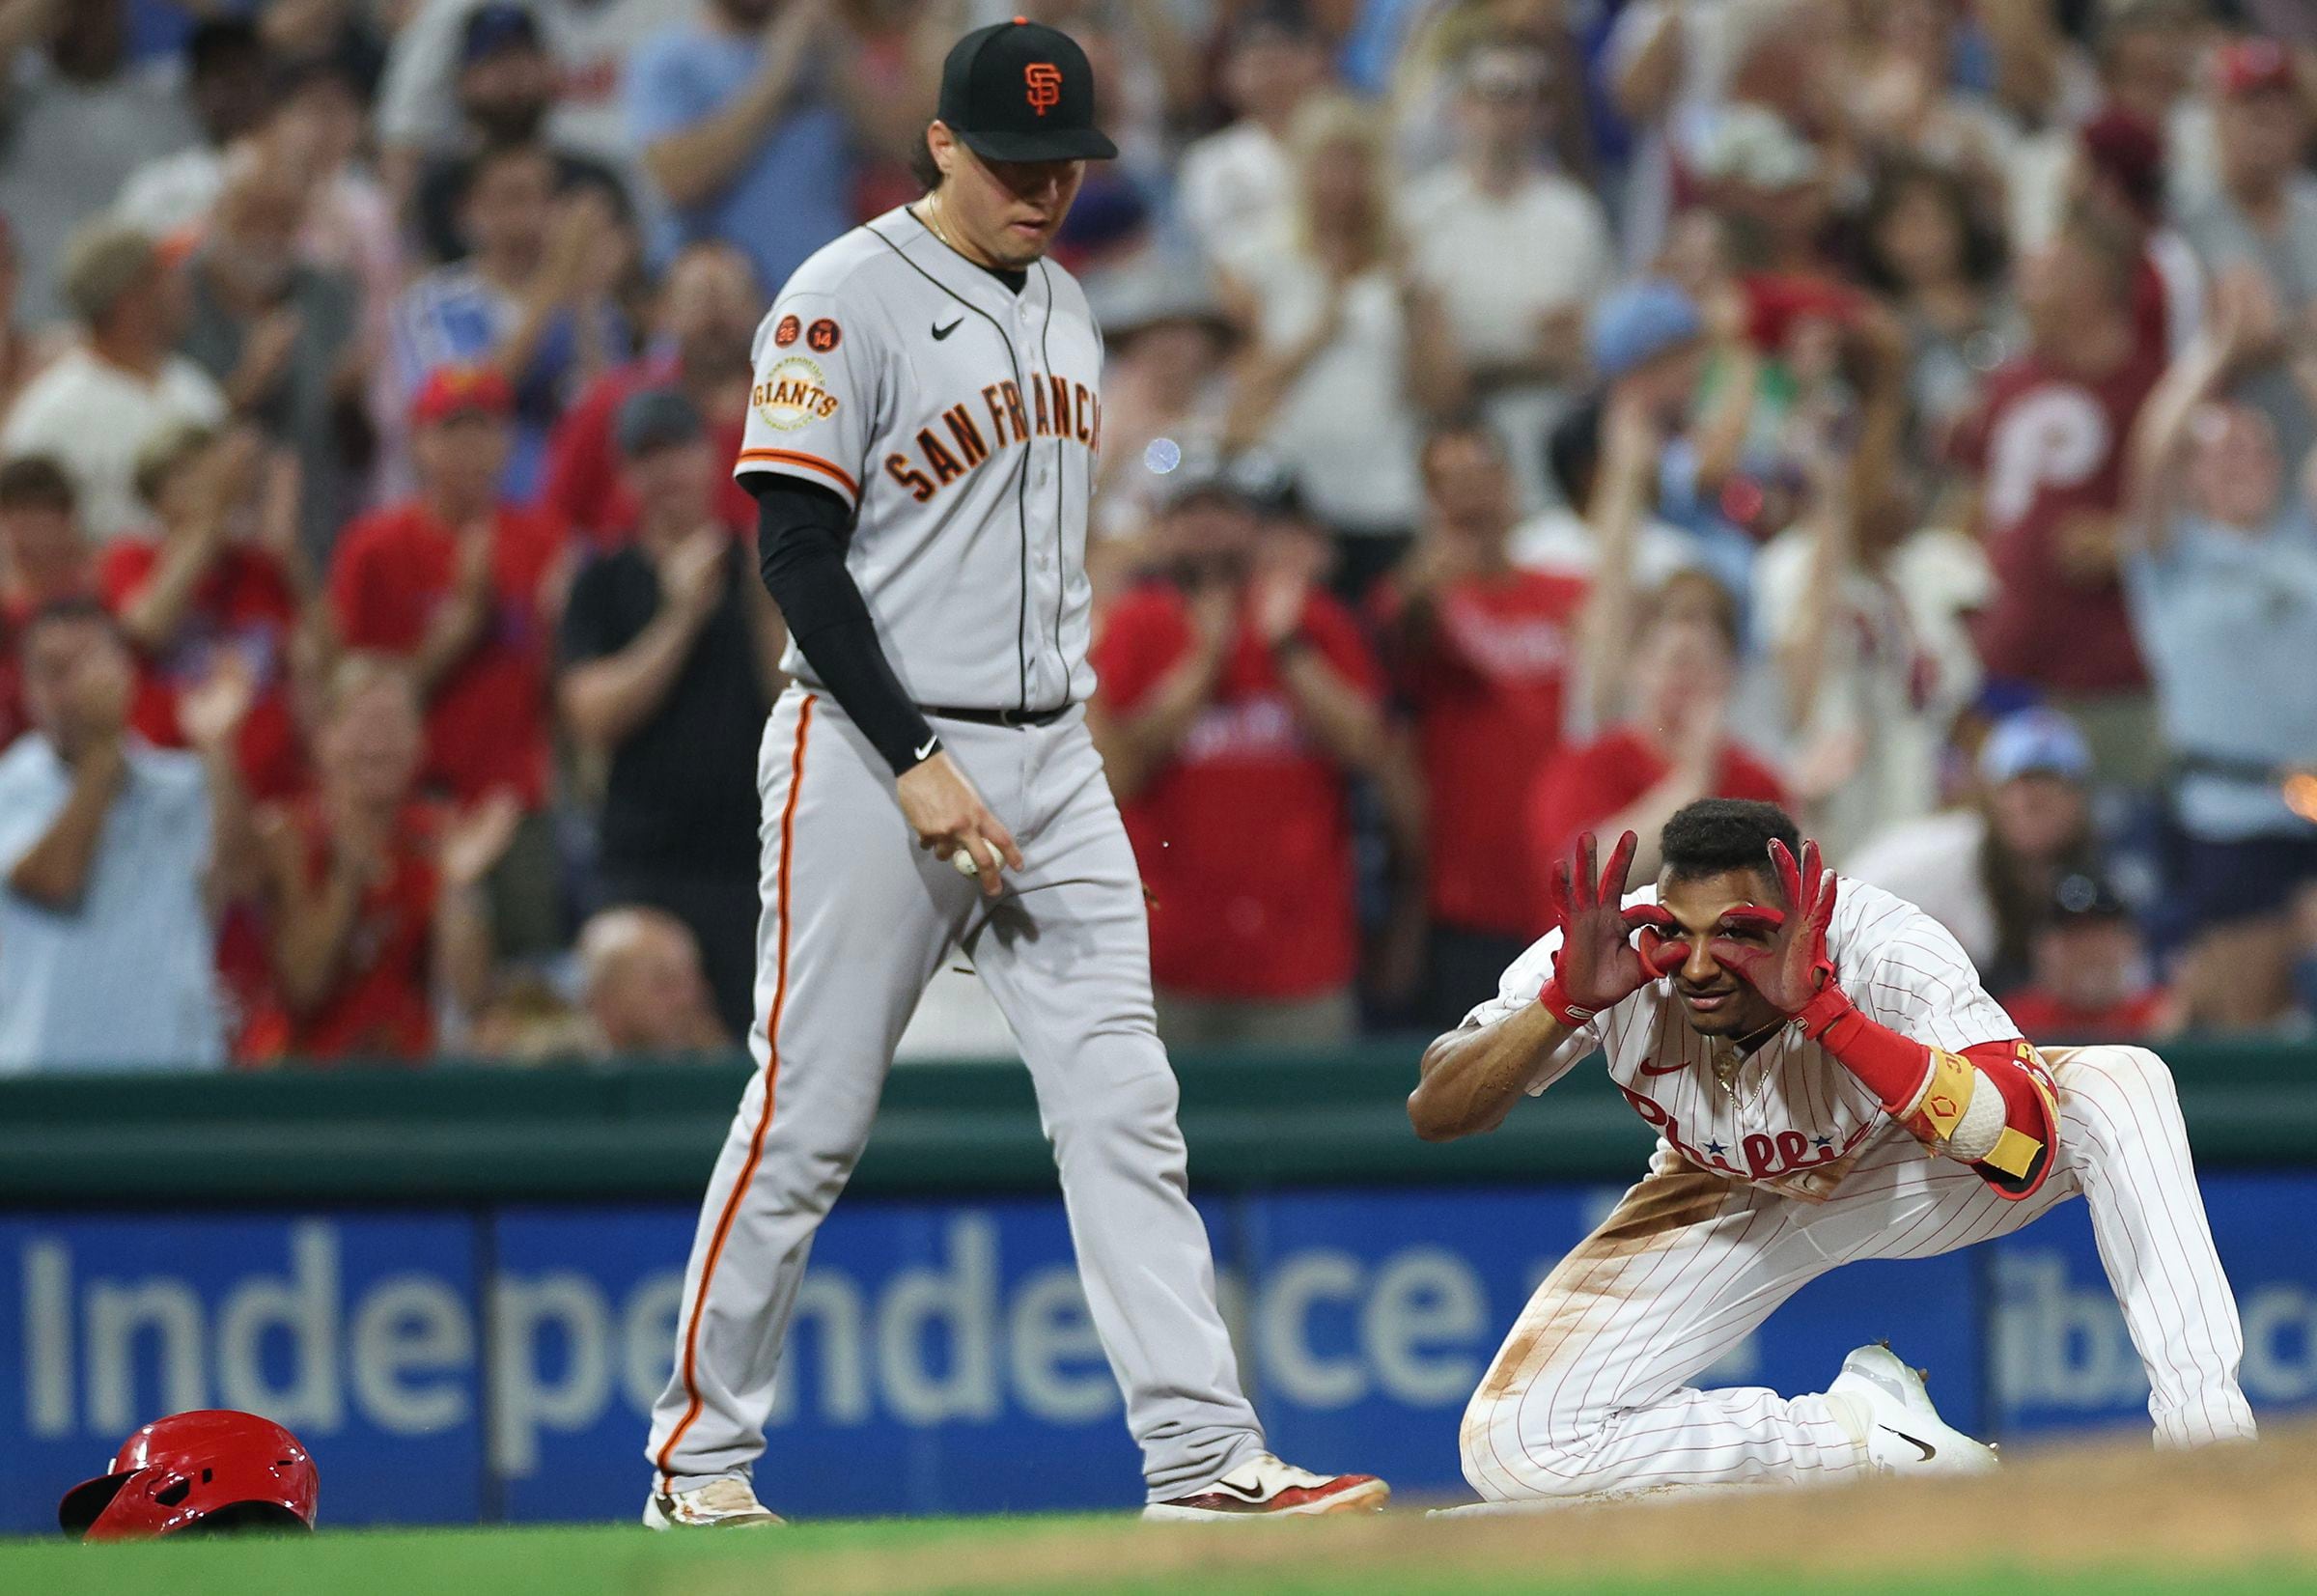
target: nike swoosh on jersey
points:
(1664, 1069)
(940, 333)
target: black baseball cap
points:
(657, 418)
(1022, 91)
(500, 25)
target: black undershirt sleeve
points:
(801, 530)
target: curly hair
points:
(1716, 834)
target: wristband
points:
(1555, 1002)
(1893, 1067)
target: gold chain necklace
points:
(927, 213)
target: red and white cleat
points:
(1265, 1488)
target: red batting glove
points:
(1595, 967)
(1793, 972)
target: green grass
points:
(834, 1559)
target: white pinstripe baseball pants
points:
(1588, 1394)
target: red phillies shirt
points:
(1587, 784)
(245, 604)
(1242, 838)
(377, 1007)
(583, 484)
(487, 724)
(1487, 686)
(2046, 1017)
(2048, 447)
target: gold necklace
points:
(929, 214)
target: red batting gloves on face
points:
(1795, 976)
(1595, 967)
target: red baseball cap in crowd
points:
(461, 390)
(2251, 67)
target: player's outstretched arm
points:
(1472, 1078)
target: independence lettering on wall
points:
(944, 1360)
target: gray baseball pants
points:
(856, 919)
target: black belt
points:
(997, 717)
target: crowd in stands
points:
(1523, 417)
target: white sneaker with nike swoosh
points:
(1902, 1432)
(1265, 1488)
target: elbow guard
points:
(2008, 1139)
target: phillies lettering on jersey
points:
(1787, 1116)
(959, 419)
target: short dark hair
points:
(73, 610)
(922, 165)
(36, 481)
(1717, 834)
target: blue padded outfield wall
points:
(451, 1366)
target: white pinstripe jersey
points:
(1790, 1117)
(960, 421)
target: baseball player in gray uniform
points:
(920, 441)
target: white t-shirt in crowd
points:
(94, 417)
(1561, 543)
(1933, 863)
(127, 979)
(1234, 188)
(1345, 428)
(1499, 265)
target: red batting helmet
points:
(203, 1471)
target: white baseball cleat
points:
(1903, 1432)
(727, 1503)
(1265, 1488)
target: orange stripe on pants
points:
(763, 1122)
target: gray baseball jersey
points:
(960, 420)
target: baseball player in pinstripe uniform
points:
(920, 440)
(1827, 1083)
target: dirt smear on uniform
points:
(2109, 1505)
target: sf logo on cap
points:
(1045, 81)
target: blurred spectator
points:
(1863, 609)
(534, 299)
(102, 400)
(457, 583)
(2263, 214)
(709, 308)
(1673, 749)
(1514, 251)
(42, 559)
(80, 116)
(228, 80)
(671, 659)
(224, 574)
(1988, 871)
(2047, 448)
(1236, 187)
(642, 987)
(1561, 541)
(591, 48)
(1481, 651)
(2118, 176)
(2090, 980)
(738, 127)
(370, 895)
(1165, 385)
(1348, 350)
(527, 1020)
(1235, 704)
(507, 85)
(302, 32)
(1900, 91)
(1926, 246)
(114, 854)
(2221, 570)
(281, 339)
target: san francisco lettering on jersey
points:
(954, 443)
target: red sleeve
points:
(1580, 788)
(1137, 643)
(579, 473)
(1340, 642)
(123, 571)
(370, 613)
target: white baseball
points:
(964, 860)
